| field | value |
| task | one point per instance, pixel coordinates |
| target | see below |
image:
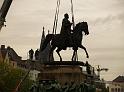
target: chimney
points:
(2, 47)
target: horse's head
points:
(83, 26)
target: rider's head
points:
(66, 16)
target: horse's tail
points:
(46, 41)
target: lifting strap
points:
(56, 17)
(73, 23)
(72, 14)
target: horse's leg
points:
(51, 52)
(76, 56)
(58, 50)
(73, 56)
(81, 46)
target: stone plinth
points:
(62, 73)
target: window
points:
(112, 89)
(35, 75)
(118, 89)
(122, 90)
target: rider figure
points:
(66, 29)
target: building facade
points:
(9, 56)
(117, 85)
(34, 74)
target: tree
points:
(10, 77)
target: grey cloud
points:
(108, 19)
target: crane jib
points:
(3, 11)
(5, 7)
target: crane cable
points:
(22, 80)
(56, 17)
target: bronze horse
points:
(76, 36)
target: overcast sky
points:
(105, 18)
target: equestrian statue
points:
(67, 38)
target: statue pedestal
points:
(65, 71)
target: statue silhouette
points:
(31, 53)
(36, 54)
(88, 66)
(57, 40)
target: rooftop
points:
(119, 79)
